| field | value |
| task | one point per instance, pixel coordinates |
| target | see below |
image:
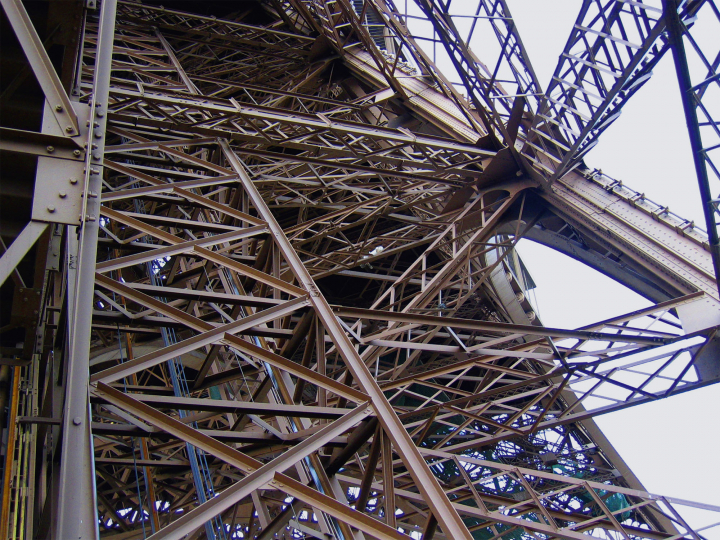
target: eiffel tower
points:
(259, 276)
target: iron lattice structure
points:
(267, 285)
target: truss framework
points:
(308, 318)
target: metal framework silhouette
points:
(265, 285)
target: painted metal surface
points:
(294, 306)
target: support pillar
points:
(675, 29)
(77, 506)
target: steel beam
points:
(19, 248)
(77, 510)
(676, 29)
(447, 516)
(42, 68)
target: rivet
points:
(73, 181)
(69, 129)
(77, 421)
(50, 149)
(76, 153)
(62, 194)
(51, 209)
(59, 108)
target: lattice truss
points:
(299, 324)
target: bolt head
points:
(73, 181)
(77, 421)
(50, 149)
(69, 129)
(59, 108)
(62, 194)
(76, 153)
(51, 209)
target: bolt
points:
(73, 181)
(76, 153)
(59, 108)
(51, 209)
(62, 194)
(50, 149)
(69, 129)
(77, 421)
(97, 156)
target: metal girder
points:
(19, 248)
(609, 55)
(60, 104)
(258, 475)
(77, 510)
(424, 479)
(505, 86)
(699, 113)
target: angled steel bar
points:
(446, 515)
(701, 155)
(261, 476)
(609, 56)
(19, 248)
(43, 69)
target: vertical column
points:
(77, 507)
(676, 28)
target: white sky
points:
(668, 444)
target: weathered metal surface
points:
(295, 303)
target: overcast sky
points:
(671, 445)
